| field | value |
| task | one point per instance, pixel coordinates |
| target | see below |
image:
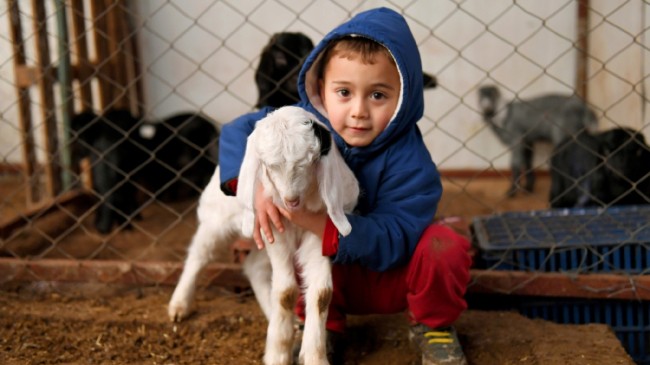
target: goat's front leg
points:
(284, 294)
(317, 278)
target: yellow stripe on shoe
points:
(439, 337)
(437, 334)
(440, 340)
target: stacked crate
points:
(574, 242)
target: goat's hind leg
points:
(317, 279)
(284, 295)
(207, 239)
(257, 269)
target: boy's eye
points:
(377, 95)
(343, 92)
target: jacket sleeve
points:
(385, 235)
(232, 145)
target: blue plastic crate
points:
(614, 240)
(577, 240)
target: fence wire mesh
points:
(110, 113)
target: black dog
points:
(114, 156)
(608, 168)
(182, 155)
(169, 160)
(277, 74)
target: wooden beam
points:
(85, 68)
(25, 76)
(582, 47)
(103, 71)
(24, 112)
(116, 42)
(594, 286)
(129, 50)
(114, 272)
(484, 173)
(45, 87)
(43, 208)
(598, 286)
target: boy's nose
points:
(359, 110)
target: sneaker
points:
(438, 346)
(335, 346)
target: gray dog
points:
(521, 123)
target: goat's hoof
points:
(277, 359)
(177, 311)
(313, 361)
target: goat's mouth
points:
(292, 204)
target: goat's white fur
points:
(283, 152)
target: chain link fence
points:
(197, 61)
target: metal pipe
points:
(65, 89)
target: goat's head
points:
(488, 100)
(295, 158)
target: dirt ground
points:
(45, 323)
(131, 327)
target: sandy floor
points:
(131, 327)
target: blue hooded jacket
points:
(400, 184)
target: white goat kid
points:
(294, 157)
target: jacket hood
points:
(390, 29)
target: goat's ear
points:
(246, 185)
(338, 187)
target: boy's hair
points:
(351, 47)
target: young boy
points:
(365, 80)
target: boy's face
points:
(360, 98)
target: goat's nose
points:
(292, 203)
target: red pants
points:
(431, 287)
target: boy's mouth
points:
(358, 129)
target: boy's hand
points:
(265, 210)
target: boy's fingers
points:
(257, 236)
(264, 224)
(285, 213)
(274, 214)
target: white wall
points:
(201, 55)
